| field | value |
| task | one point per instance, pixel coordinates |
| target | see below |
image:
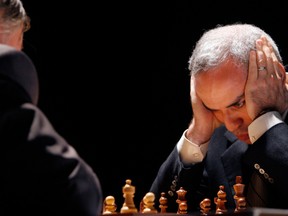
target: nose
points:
(232, 121)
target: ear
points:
(284, 68)
(192, 86)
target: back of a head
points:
(13, 20)
(17, 68)
(223, 42)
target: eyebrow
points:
(236, 101)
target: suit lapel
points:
(224, 160)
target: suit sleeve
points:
(172, 175)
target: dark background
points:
(114, 79)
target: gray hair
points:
(12, 15)
(223, 42)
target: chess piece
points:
(220, 201)
(182, 208)
(182, 202)
(241, 204)
(109, 205)
(148, 203)
(128, 194)
(205, 206)
(163, 203)
(239, 194)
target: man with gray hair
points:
(239, 126)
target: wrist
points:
(194, 137)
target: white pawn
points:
(148, 202)
(109, 205)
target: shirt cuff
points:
(263, 123)
(189, 152)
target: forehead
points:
(221, 86)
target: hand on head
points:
(204, 122)
(265, 88)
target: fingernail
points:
(258, 44)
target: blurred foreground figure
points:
(41, 174)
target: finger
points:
(253, 68)
(281, 70)
(279, 74)
(261, 60)
(271, 59)
(270, 68)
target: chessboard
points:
(147, 204)
(247, 212)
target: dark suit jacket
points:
(226, 158)
(40, 173)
